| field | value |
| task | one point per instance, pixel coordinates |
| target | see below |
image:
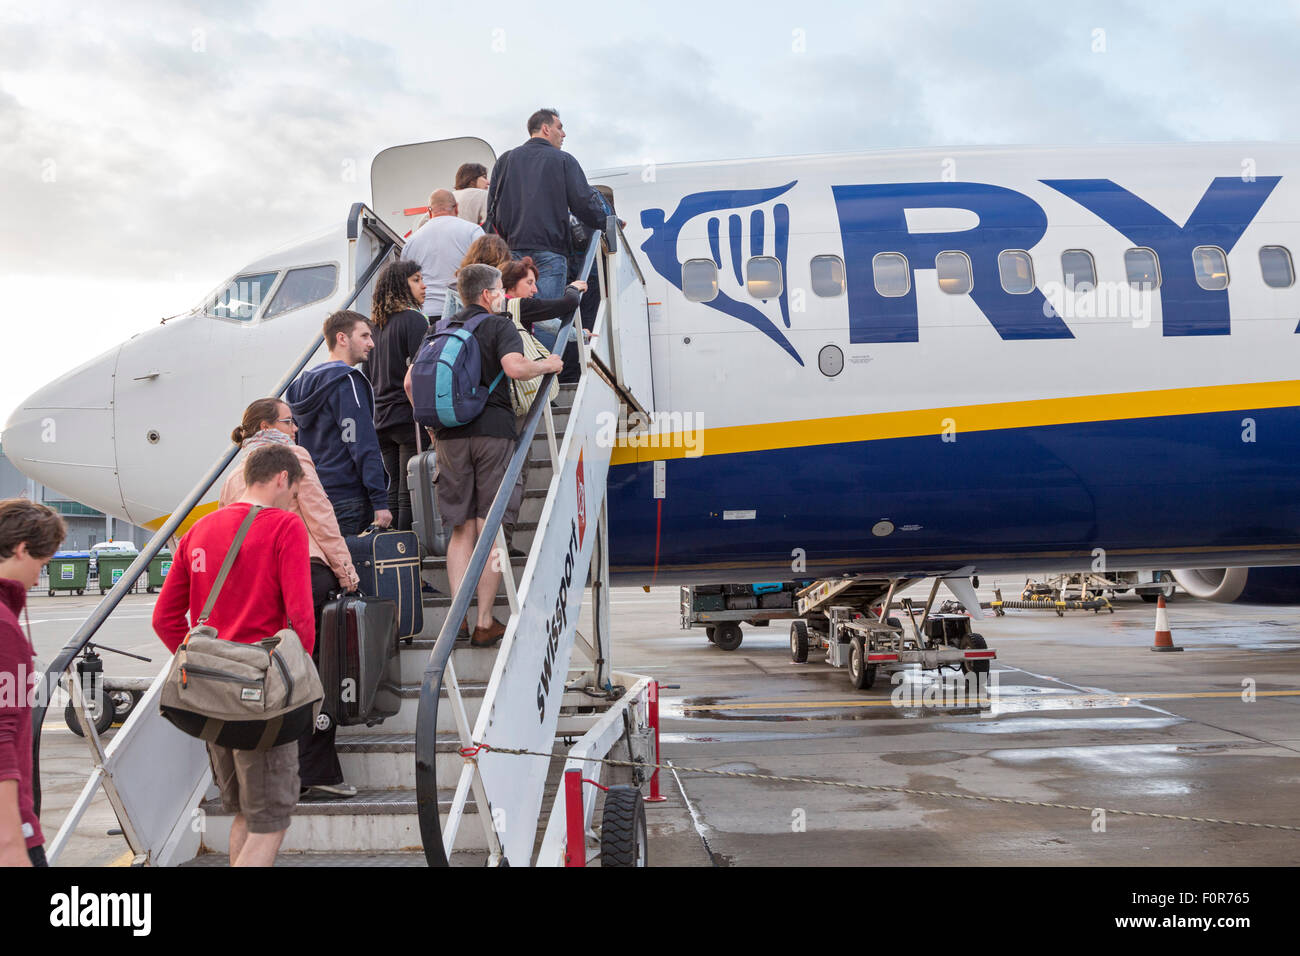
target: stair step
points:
(387, 761)
(404, 720)
(472, 664)
(382, 821)
(362, 858)
(516, 561)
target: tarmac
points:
(1079, 712)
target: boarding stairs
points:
(425, 795)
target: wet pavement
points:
(1077, 711)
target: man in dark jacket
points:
(29, 535)
(334, 408)
(534, 188)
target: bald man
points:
(439, 246)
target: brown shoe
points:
(487, 636)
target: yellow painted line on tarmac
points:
(937, 699)
(124, 860)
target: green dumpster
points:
(158, 568)
(112, 565)
(68, 571)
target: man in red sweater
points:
(268, 588)
(29, 536)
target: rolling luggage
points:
(742, 602)
(781, 599)
(388, 564)
(426, 522)
(360, 668)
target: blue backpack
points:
(447, 388)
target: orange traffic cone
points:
(1164, 639)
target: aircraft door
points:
(401, 177)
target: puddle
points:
(1035, 725)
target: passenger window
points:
(699, 280)
(1142, 268)
(954, 272)
(1079, 270)
(1211, 267)
(1275, 263)
(303, 287)
(890, 273)
(242, 297)
(827, 276)
(763, 277)
(1016, 270)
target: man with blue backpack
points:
(459, 387)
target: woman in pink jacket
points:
(269, 421)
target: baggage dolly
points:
(706, 606)
(846, 618)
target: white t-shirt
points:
(439, 246)
(472, 203)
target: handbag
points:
(241, 696)
(523, 391)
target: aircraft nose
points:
(62, 435)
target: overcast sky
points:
(148, 150)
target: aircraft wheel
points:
(728, 636)
(975, 642)
(799, 642)
(623, 838)
(862, 674)
(101, 712)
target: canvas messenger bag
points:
(242, 696)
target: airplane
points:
(897, 361)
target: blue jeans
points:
(354, 515)
(552, 271)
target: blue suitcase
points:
(388, 564)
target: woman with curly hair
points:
(399, 328)
(489, 250)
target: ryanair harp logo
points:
(731, 227)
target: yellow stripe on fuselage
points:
(1116, 406)
(199, 511)
(965, 418)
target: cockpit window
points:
(242, 297)
(303, 287)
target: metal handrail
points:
(54, 673)
(426, 721)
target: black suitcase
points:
(781, 599)
(388, 564)
(426, 522)
(742, 602)
(360, 668)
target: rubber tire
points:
(866, 675)
(1168, 588)
(799, 642)
(103, 720)
(728, 636)
(710, 633)
(975, 642)
(623, 829)
(81, 592)
(51, 592)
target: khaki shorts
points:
(469, 473)
(261, 785)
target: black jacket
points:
(396, 346)
(534, 188)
